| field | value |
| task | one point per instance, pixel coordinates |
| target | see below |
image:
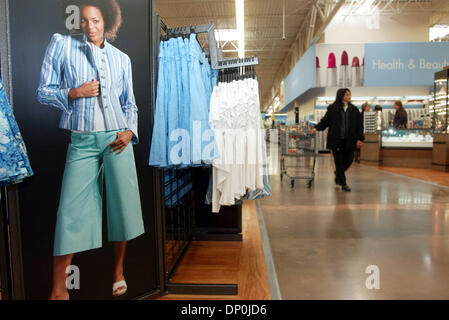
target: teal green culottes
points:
(79, 224)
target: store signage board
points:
(404, 64)
(302, 77)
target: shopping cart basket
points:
(298, 154)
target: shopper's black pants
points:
(343, 157)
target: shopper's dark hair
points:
(398, 103)
(365, 105)
(378, 107)
(340, 95)
(110, 9)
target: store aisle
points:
(323, 239)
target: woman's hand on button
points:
(122, 141)
(87, 90)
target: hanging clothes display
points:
(14, 162)
(235, 119)
(181, 133)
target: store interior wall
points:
(378, 28)
(307, 108)
(47, 146)
(307, 103)
(291, 116)
(382, 91)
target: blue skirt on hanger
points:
(14, 162)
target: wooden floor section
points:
(434, 176)
(241, 263)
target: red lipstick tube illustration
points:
(318, 73)
(344, 75)
(356, 73)
(331, 71)
(362, 72)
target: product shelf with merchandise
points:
(439, 111)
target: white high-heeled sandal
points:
(116, 291)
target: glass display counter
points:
(440, 106)
(407, 138)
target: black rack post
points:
(12, 244)
(5, 263)
(158, 183)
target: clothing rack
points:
(216, 55)
(179, 226)
(241, 73)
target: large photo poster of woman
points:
(88, 214)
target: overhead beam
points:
(308, 33)
(328, 20)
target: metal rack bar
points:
(216, 56)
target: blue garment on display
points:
(214, 78)
(181, 134)
(185, 86)
(158, 154)
(14, 162)
(173, 100)
(185, 96)
(201, 136)
(206, 71)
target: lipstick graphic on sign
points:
(331, 71)
(344, 76)
(356, 73)
(362, 72)
(318, 71)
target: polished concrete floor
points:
(323, 239)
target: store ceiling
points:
(263, 27)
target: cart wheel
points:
(310, 183)
(293, 183)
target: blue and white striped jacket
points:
(70, 62)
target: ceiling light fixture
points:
(240, 14)
(226, 35)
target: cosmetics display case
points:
(405, 148)
(439, 114)
(440, 107)
(407, 138)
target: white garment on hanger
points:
(235, 119)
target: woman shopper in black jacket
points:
(400, 117)
(345, 133)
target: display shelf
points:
(439, 109)
(370, 122)
(407, 138)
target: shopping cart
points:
(298, 154)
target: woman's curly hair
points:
(110, 9)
